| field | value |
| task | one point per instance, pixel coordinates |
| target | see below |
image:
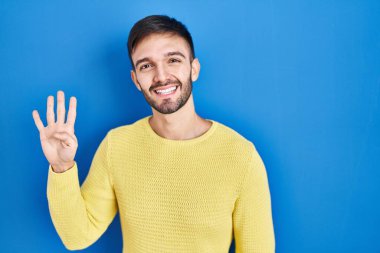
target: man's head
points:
(162, 57)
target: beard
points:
(168, 106)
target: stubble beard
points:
(167, 105)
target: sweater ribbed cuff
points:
(62, 183)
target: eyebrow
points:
(166, 55)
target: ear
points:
(195, 68)
(134, 79)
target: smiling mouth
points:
(166, 92)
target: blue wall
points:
(301, 79)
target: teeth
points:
(166, 91)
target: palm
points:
(55, 149)
(58, 141)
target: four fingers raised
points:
(50, 115)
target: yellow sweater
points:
(172, 195)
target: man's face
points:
(163, 71)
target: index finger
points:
(72, 112)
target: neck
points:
(183, 124)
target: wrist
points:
(62, 167)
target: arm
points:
(82, 214)
(252, 216)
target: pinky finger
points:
(37, 120)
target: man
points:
(181, 183)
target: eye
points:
(144, 66)
(174, 60)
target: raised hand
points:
(58, 140)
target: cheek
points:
(145, 79)
(182, 73)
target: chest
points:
(172, 192)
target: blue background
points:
(300, 79)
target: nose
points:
(161, 74)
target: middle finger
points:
(61, 107)
(50, 110)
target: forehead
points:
(156, 45)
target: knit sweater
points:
(192, 195)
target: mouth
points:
(167, 91)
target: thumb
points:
(66, 139)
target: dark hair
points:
(157, 24)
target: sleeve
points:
(81, 214)
(252, 215)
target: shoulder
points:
(240, 150)
(127, 132)
(234, 139)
